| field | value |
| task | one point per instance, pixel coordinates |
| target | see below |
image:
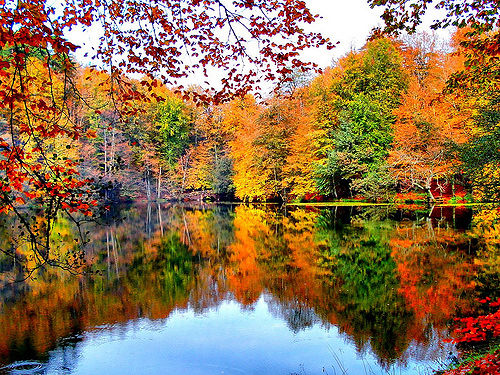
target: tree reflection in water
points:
(390, 281)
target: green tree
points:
(171, 130)
(368, 91)
(480, 156)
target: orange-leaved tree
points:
(427, 121)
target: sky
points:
(348, 22)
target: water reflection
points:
(249, 289)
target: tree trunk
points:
(148, 219)
(105, 161)
(148, 186)
(160, 221)
(115, 253)
(158, 188)
(105, 153)
(112, 151)
(108, 258)
(428, 188)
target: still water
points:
(237, 289)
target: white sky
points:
(346, 21)
(350, 22)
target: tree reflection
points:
(368, 306)
(385, 282)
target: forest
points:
(380, 121)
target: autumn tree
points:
(478, 85)
(427, 121)
(276, 125)
(480, 157)
(242, 115)
(209, 164)
(303, 150)
(34, 140)
(367, 91)
(272, 151)
(406, 15)
(108, 157)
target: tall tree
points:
(478, 85)
(241, 115)
(427, 121)
(303, 151)
(367, 91)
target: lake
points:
(251, 289)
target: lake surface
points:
(236, 289)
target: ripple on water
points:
(23, 367)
